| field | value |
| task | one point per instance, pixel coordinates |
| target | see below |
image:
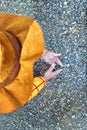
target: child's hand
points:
(51, 57)
(50, 73)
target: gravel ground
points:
(62, 104)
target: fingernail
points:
(61, 64)
(58, 54)
(59, 71)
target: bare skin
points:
(51, 58)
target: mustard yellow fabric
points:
(38, 84)
(29, 33)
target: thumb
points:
(52, 67)
(55, 73)
(57, 55)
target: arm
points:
(38, 84)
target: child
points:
(21, 44)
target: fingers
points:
(50, 73)
(59, 62)
(55, 54)
(55, 73)
(52, 67)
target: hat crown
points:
(0, 54)
(9, 57)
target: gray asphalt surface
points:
(62, 104)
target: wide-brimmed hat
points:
(21, 43)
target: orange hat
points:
(21, 43)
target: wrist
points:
(46, 78)
(44, 53)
